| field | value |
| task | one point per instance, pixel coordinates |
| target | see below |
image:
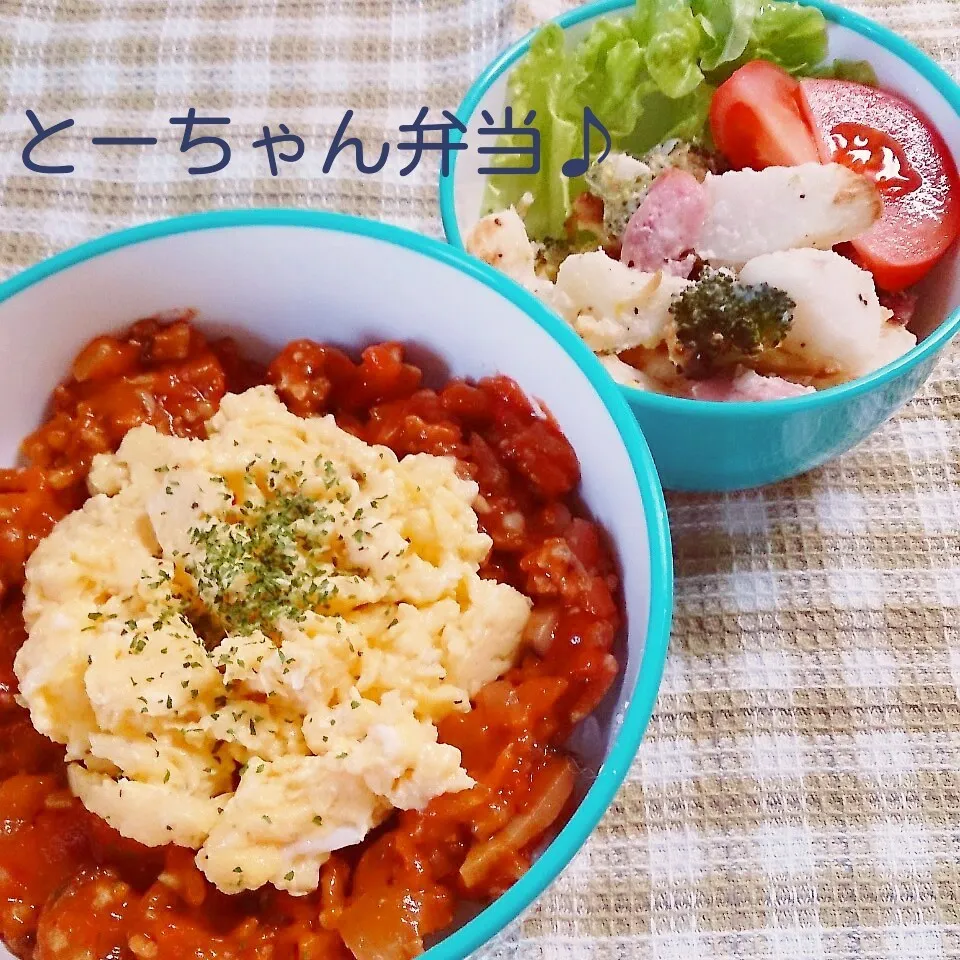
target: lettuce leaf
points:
(859, 71)
(648, 76)
(673, 52)
(728, 25)
(534, 85)
(792, 36)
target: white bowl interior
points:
(941, 290)
(268, 285)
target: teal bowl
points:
(267, 277)
(705, 446)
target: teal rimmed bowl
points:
(705, 446)
(271, 276)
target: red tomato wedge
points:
(881, 135)
(756, 122)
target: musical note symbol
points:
(577, 166)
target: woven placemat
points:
(798, 794)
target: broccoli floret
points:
(719, 322)
(687, 155)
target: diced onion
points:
(540, 627)
(542, 812)
(513, 522)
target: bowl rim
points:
(901, 48)
(495, 917)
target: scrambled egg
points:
(245, 642)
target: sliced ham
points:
(665, 228)
(748, 386)
(902, 305)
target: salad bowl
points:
(713, 446)
(268, 277)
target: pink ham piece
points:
(747, 385)
(664, 229)
(902, 305)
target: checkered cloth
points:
(798, 793)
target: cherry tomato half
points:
(756, 122)
(881, 135)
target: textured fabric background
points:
(798, 794)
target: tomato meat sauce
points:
(71, 887)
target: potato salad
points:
(754, 222)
